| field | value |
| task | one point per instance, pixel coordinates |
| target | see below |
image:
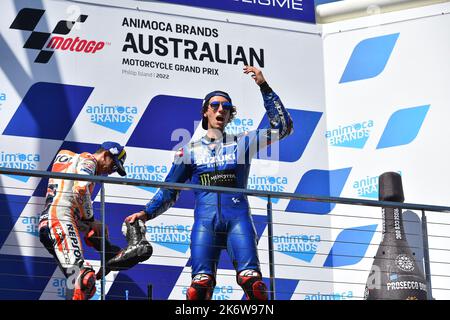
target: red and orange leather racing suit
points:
(68, 210)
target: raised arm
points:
(281, 124)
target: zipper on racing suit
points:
(219, 205)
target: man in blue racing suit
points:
(222, 221)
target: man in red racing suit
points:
(68, 210)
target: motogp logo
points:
(27, 19)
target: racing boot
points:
(84, 284)
(95, 241)
(138, 249)
(251, 281)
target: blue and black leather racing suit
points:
(222, 220)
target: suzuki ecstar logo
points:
(27, 19)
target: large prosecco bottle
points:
(395, 274)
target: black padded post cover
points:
(390, 187)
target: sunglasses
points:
(225, 105)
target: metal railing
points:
(264, 194)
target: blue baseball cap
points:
(118, 154)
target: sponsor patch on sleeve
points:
(88, 166)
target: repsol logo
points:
(48, 42)
(118, 118)
(299, 246)
(330, 296)
(239, 125)
(281, 4)
(146, 172)
(63, 158)
(173, 236)
(367, 187)
(267, 183)
(31, 225)
(352, 136)
(406, 285)
(74, 241)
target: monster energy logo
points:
(222, 178)
(205, 179)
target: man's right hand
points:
(138, 215)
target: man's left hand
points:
(256, 74)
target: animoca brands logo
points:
(28, 18)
